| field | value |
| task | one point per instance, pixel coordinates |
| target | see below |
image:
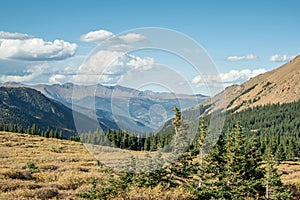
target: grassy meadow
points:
(33, 167)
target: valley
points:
(117, 155)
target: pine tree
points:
(180, 140)
(202, 136)
(47, 132)
(51, 134)
(35, 130)
(61, 135)
(20, 129)
(178, 119)
(232, 170)
(55, 134)
(274, 189)
(280, 153)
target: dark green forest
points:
(276, 127)
(34, 130)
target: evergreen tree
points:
(273, 185)
(180, 139)
(55, 134)
(60, 135)
(35, 130)
(47, 132)
(233, 170)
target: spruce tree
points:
(274, 189)
(60, 135)
(180, 139)
(233, 170)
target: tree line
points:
(276, 128)
(33, 130)
(127, 140)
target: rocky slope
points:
(280, 85)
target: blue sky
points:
(248, 37)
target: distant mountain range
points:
(116, 107)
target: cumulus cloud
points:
(117, 41)
(30, 75)
(8, 35)
(23, 47)
(140, 63)
(102, 66)
(235, 76)
(239, 58)
(96, 36)
(231, 77)
(109, 66)
(132, 37)
(57, 78)
(281, 58)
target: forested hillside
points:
(24, 107)
(276, 126)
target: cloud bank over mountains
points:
(58, 61)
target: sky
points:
(62, 41)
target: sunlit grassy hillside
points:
(37, 167)
(33, 167)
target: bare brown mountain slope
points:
(281, 85)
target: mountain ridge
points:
(26, 106)
(280, 85)
(129, 108)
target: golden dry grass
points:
(33, 167)
(290, 172)
(63, 168)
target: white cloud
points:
(140, 63)
(235, 76)
(31, 74)
(69, 71)
(132, 37)
(101, 66)
(57, 78)
(109, 66)
(8, 35)
(198, 79)
(118, 41)
(102, 60)
(281, 58)
(96, 36)
(239, 58)
(20, 46)
(231, 77)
